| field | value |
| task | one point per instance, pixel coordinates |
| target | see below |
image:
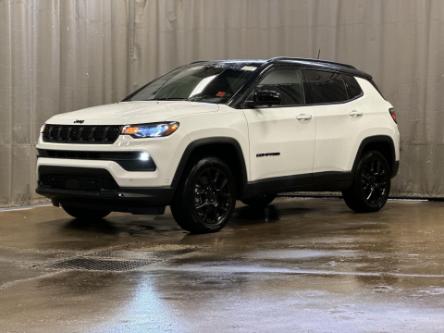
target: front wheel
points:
(205, 200)
(371, 184)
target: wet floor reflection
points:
(298, 265)
(101, 226)
(257, 215)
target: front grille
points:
(80, 179)
(93, 134)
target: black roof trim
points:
(326, 64)
(316, 63)
(311, 60)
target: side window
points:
(324, 87)
(288, 82)
(353, 88)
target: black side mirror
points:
(264, 97)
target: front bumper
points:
(127, 160)
(142, 201)
(119, 159)
(88, 187)
(122, 177)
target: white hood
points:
(137, 112)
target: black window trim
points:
(347, 87)
(348, 100)
(252, 85)
(262, 75)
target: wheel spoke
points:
(212, 194)
(222, 186)
(369, 195)
(216, 176)
(200, 206)
(374, 181)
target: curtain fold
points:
(61, 55)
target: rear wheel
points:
(260, 201)
(371, 184)
(205, 200)
(82, 213)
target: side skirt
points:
(321, 181)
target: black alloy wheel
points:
(374, 181)
(212, 196)
(371, 184)
(206, 199)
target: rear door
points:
(282, 136)
(334, 100)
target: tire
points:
(85, 214)
(260, 201)
(371, 184)
(205, 199)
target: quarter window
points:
(353, 88)
(288, 82)
(324, 87)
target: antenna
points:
(319, 53)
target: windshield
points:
(204, 82)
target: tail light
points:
(394, 115)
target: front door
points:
(282, 135)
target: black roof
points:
(327, 64)
(309, 62)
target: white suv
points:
(211, 132)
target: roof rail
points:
(311, 60)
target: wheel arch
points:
(225, 148)
(382, 143)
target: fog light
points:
(144, 156)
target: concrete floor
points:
(304, 265)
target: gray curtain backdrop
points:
(61, 55)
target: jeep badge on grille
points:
(78, 121)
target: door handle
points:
(356, 114)
(304, 116)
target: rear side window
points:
(288, 82)
(324, 87)
(353, 88)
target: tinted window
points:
(288, 82)
(353, 88)
(324, 87)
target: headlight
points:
(152, 130)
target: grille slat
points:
(98, 134)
